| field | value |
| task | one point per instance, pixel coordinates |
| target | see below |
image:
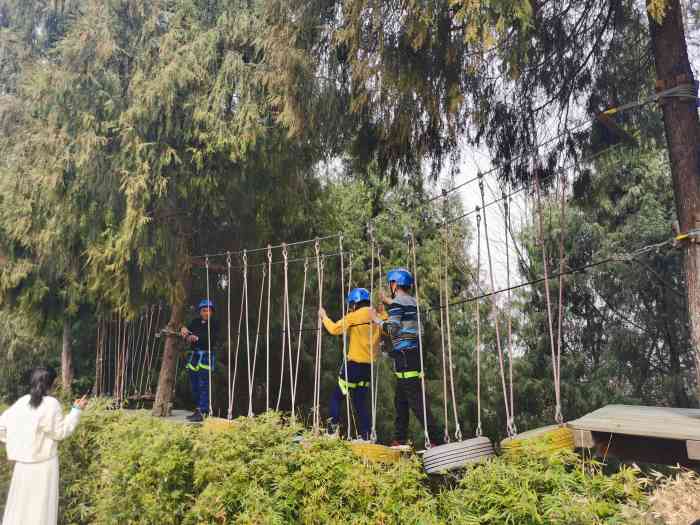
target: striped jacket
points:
(402, 325)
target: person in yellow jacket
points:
(361, 351)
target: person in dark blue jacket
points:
(197, 334)
(402, 328)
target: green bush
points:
(126, 467)
(536, 486)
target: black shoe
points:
(195, 418)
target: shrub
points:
(126, 467)
(535, 487)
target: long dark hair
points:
(41, 382)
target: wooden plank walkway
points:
(660, 423)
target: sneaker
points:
(196, 417)
(398, 445)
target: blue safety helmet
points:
(357, 295)
(205, 303)
(400, 276)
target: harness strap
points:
(410, 374)
(346, 385)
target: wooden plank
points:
(583, 438)
(693, 449)
(660, 422)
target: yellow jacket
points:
(358, 325)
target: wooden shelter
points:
(649, 434)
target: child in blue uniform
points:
(197, 335)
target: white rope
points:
(478, 432)
(152, 353)
(247, 331)
(495, 309)
(345, 331)
(446, 436)
(284, 344)
(557, 414)
(229, 413)
(458, 428)
(288, 334)
(211, 408)
(267, 351)
(235, 358)
(562, 263)
(412, 245)
(257, 339)
(511, 427)
(373, 432)
(319, 342)
(301, 325)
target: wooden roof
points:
(659, 422)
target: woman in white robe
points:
(31, 429)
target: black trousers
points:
(408, 397)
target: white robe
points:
(31, 436)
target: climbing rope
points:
(285, 329)
(251, 386)
(495, 312)
(412, 253)
(247, 329)
(345, 332)
(152, 353)
(229, 411)
(555, 367)
(511, 427)
(375, 383)
(211, 408)
(301, 326)
(373, 431)
(458, 429)
(232, 390)
(562, 263)
(446, 436)
(288, 335)
(478, 432)
(319, 341)
(267, 340)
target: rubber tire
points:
(457, 455)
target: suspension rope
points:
(285, 328)
(345, 332)
(288, 335)
(211, 408)
(458, 428)
(511, 427)
(372, 349)
(267, 340)
(153, 353)
(478, 432)
(557, 393)
(149, 331)
(301, 324)
(235, 358)
(98, 358)
(412, 253)
(562, 263)
(446, 436)
(319, 342)
(495, 310)
(229, 411)
(247, 330)
(257, 339)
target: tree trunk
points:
(166, 379)
(66, 357)
(683, 139)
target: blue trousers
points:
(198, 369)
(357, 387)
(199, 381)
